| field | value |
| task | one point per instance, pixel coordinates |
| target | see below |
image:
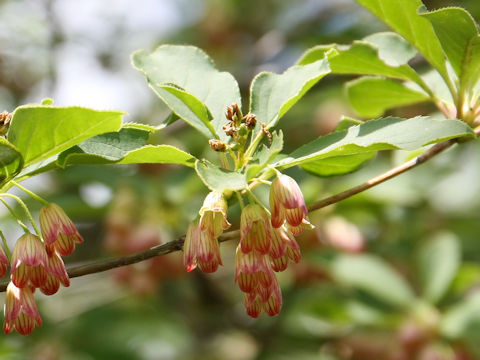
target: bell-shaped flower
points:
(3, 262)
(29, 262)
(56, 274)
(58, 230)
(284, 249)
(20, 311)
(255, 229)
(213, 214)
(200, 249)
(287, 204)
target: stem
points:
(253, 145)
(240, 199)
(5, 246)
(27, 212)
(31, 193)
(22, 225)
(224, 161)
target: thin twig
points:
(177, 245)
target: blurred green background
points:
(392, 273)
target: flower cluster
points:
(267, 243)
(37, 263)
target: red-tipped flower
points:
(56, 274)
(200, 249)
(287, 204)
(20, 311)
(255, 229)
(3, 262)
(284, 249)
(58, 230)
(29, 262)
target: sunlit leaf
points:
(185, 78)
(272, 95)
(401, 15)
(40, 132)
(216, 178)
(375, 135)
(11, 160)
(371, 97)
(458, 35)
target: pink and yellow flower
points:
(20, 311)
(287, 204)
(255, 229)
(29, 262)
(200, 249)
(56, 274)
(58, 230)
(284, 249)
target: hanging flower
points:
(20, 311)
(58, 230)
(56, 274)
(284, 249)
(3, 262)
(255, 229)
(287, 204)
(29, 262)
(201, 250)
(213, 214)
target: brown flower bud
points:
(217, 145)
(250, 121)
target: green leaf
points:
(401, 16)
(438, 261)
(124, 147)
(196, 80)
(458, 35)
(39, 132)
(265, 155)
(375, 135)
(338, 165)
(272, 95)
(159, 154)
(143, 127)
(371, 97)
(392, 48)
(11, 161)
(187, 107)
(105, 148)
(346, 122)
(218, 179)
(364, 58)
(374, 276)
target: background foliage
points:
(417, 235)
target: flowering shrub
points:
(247, 152)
